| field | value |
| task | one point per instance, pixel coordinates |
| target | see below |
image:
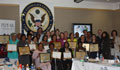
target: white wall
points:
(69, 3)
(117, 5)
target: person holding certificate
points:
(72, 39)
(24, 59)
(58, 62)
(56, 42)
(67, 61)
(80, 48)
(13, 55)
(36, 57)
(93, 41)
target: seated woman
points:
(35, 56)
(67, 63)
(13, 55)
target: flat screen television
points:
(79, 27)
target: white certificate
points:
(67, 55)
(56, 55)
(12, 47)
(46, 47)
(94, 48)
(32, 46)
(86, 46)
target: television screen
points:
(80, 27)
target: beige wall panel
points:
(100, 19)
(10, 12)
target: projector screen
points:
(77, 27)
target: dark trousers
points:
(67, 64)
(56, 64)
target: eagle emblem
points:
(37, 20)
(36, 15)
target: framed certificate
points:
(4, 39)
(67, 55)
(56, 55)
(94, 48)
(80, 55)
(57, 45)
(86, 46)
(73, 44)
(44, 57)
(11, 47)
(46, 47)
(24, 50)
(32, 46)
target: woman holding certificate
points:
(93, 41)
(66, 56)
(13, 55)
(36, 57)
(24, 51)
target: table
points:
(77, 65)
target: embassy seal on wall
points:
(36, 15)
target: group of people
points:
(41, 39)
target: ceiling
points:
(111, 1)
